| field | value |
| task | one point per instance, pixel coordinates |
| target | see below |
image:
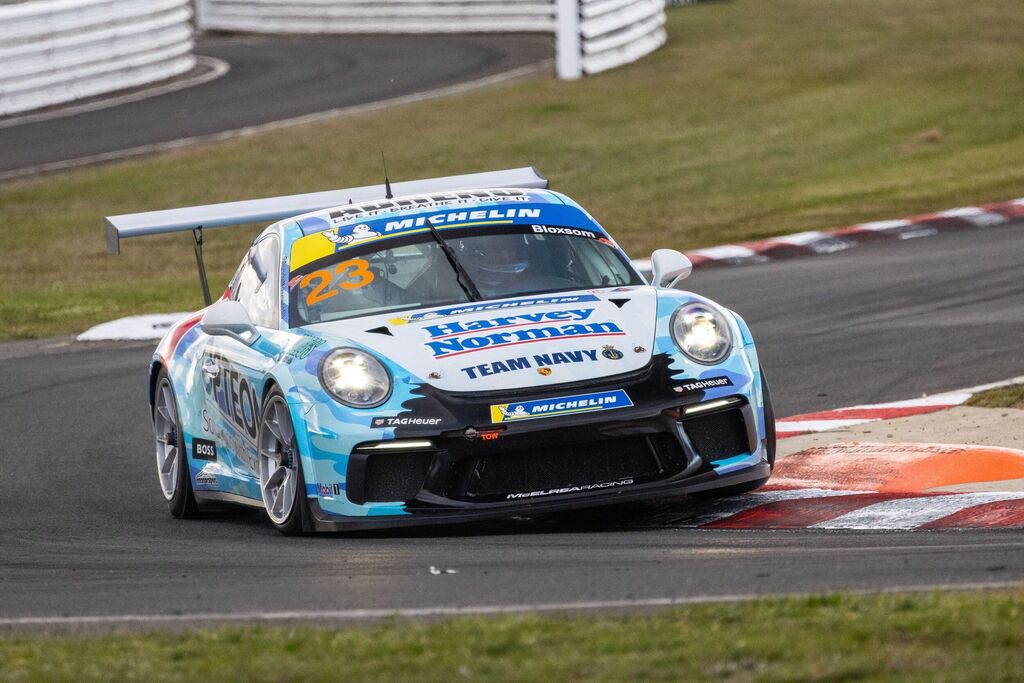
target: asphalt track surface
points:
(84, 530)
(274, 78)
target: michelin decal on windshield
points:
(565, 405)
(494, 306)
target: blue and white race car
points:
(459, 349)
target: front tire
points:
(282, 485)
(171, 453)
(769, 444)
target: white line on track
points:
(215, 68)
(480, 610)
(181, 143)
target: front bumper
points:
(655, 448)
(323, 521)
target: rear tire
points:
(282, 485)
(171, 452)
(748, 486)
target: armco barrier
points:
(56, 51)
(382, 16)
(590, 35)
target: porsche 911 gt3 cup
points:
(475, 347)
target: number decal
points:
(363, 275)
(355, 273)
(318, 294)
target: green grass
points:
(757, 118)
(1003, 397)
(941, 636)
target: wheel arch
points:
(155, 368)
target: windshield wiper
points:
(460, 275)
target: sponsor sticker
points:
(423, 202)
(709, 383)
(496, 306)
(404, 421)
(305, 347)
(204, 449)
(564, 405)
(537, 360)
(328, 490)
(611, 353)
(456, 338)
(556, 230)
(570, 489)
(206, 477)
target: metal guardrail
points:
(381, 16)
(616, 32)
(590, 35)
(57, 51)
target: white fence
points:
(56, 51)
(591, 35)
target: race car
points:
(446, 350)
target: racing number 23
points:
(355, 273)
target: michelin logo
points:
(515, 303)
(565, 405)
(360, 233)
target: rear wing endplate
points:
(273, 209)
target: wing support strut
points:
(197, 236)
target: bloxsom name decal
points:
(564, 405)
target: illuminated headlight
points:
(702, 333)
(355, 378)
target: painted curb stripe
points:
(817, 242)
(827, 420)
(910, 513)
(798, 514)
(1001, 514)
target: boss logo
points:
(202, 449)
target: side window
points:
(257, 286)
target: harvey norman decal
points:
(456, 338)
(564, 405)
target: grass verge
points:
(941, 636)
(755, 119)
(1003, 397)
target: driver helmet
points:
(496, 261)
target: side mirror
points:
(668, 267)
(230, 319)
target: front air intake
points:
(718, 435)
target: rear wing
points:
(273, 209)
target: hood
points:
(529, 341)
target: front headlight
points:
(702, 333)
(355, 378)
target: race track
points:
(84, 530)
(271, 78)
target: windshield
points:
(414, 271)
